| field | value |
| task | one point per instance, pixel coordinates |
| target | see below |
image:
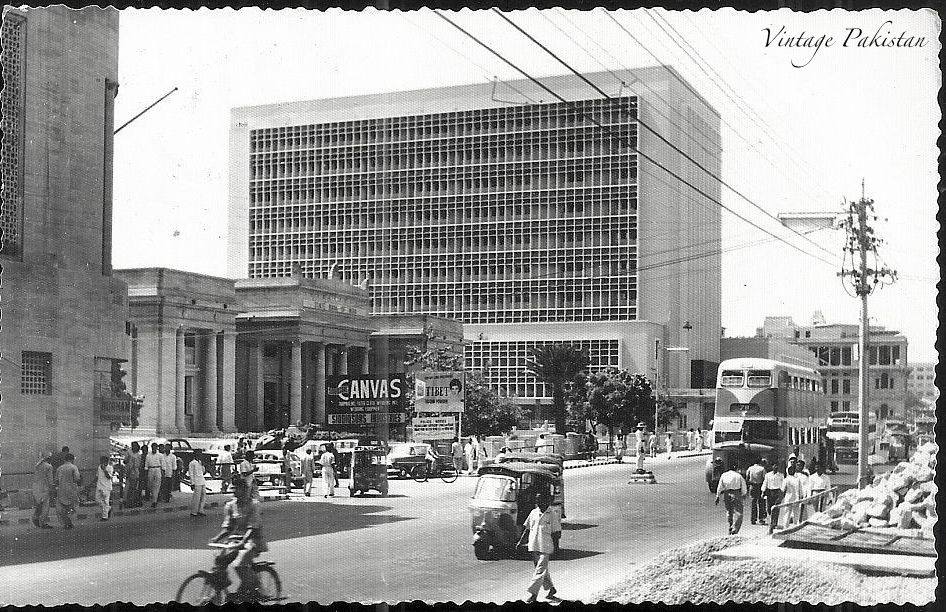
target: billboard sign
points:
(434, 428)
(438, 392)
(364, 399)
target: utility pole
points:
(861, 241)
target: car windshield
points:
(495, 488)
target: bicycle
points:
(210, 587)
(422, 472)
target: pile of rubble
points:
(903, 498)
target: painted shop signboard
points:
(365, 399)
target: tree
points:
(639, 402)
(557, 365)
(667, 411)
(607, 398)
(485, 413)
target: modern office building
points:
(922, 380)
(834, 345)
(529, 221)
(63, 339)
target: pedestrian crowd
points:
(769, 488)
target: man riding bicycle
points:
(242, 528)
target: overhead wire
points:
(672, 145)
(689, 87)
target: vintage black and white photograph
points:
(547, 305)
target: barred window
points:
(36, 373)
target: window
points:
(784, 380)
(760, 430)
(36, 373)
(760, 378)
(834, 386)
(731, 378)
(846, 386)
(808, 334)
(845, 406)
(835, 357)
(884, 355)
(834, 406)
(846, 356)
(683, 421)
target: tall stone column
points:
(319, 416)
(257, 352)
(226, 411)
(210, 383)
(295, 383)
(383, 356)
(343, 360)
(364, 360)
(179, 365)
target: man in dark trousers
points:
(755, 475)
(732, 488)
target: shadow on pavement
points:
(280, 522)
(576, 526)
(571, 554)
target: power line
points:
(746, 107)
(690, 88)
(658, 135)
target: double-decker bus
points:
(844, 431)
(765, 409)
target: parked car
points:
(403, 456)
(269, 466)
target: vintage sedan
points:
(403, 456)
(269, 466)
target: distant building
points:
(523, 219)
(63, 339)
(834, 345)
(922, 380)
(777, 348)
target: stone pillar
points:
(343, 360)
(382, 358)
(179, 364)
(226, 420)
(295, 383)
(330, 361)
(319, 416)
(364, 360)
(256, 384)
(209, 421)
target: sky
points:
(802, 126)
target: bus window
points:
(784, 380)
(731, 378)
(760, 378)
(760, 430)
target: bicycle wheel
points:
(198, 590)
(419, 472)
(448, 474)
(268, 583)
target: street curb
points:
(593, 463)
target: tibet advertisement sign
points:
(438, 392)
(434, 428)
(365, 399)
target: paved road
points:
(414, 544)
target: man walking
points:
(308, 472)
(652, 443)
(132, 470)
(225, 461)
(669, 444)
(732, 486)
(195, 470)
(772, 491)
(456, 451)
(327, 460)
(154, 465)
(470, 453)
(103, 485)
(538, 530)
(42, 487)
(286, 468)
(756, 476)
(67, 490)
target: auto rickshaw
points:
(504, 496)
(369, 471)
(556, 461)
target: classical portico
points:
(292, 333)
(183, 350)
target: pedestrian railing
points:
(776, 510)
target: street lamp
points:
(657, 359)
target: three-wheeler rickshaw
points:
(556, 461)
(369, 470)
(505, 495)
